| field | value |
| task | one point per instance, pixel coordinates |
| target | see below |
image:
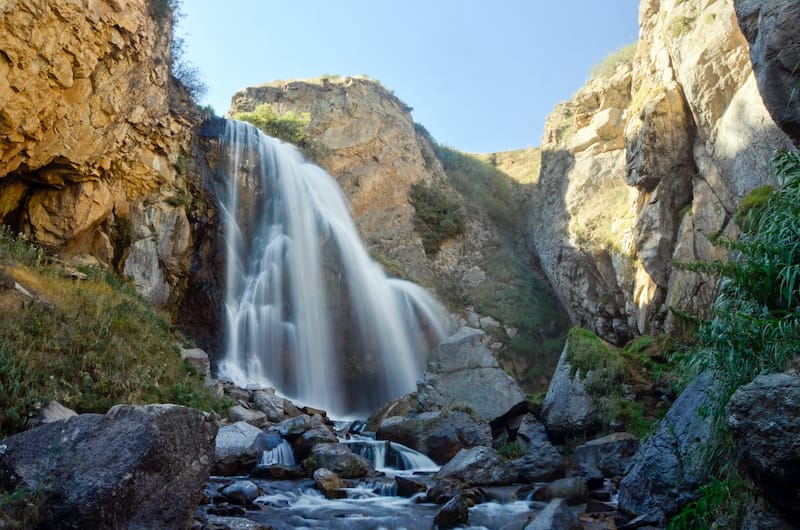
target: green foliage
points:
(391, 266)
(719, 500)
(89, 344)
(290, 127)
(437, 217)
(587, 352)
(162, 10)
(511, 450)
(610, 63)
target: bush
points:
(437, 218)
(290, 127)
(511, 450)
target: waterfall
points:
(306, 309)
(281, 454)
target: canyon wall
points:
(646, 165)
(95, 137)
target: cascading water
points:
(306, 309)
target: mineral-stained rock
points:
(764, 418)
(135, 467)
(669, 467)
(329, 484)
(611, 454)
(479, 466)
(440, 435)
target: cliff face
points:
(645, 164)
(90, 152)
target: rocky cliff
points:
(94, 137)
(644, 165)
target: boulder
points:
(270, 404)
(329, 484)
(454, 513)
(764, 419)
(568, 410)
(338, 458)
(54, 411)
(771, 30)
(462, 372)
(135, 467)
(572, 489)
(306, 441)
(542, 461)
(197, 359)
(408, 487)
(296, 426)
(610, 454)
(555, 516)
(237, 448)
(241, 492)
(669, 467)
(479, 466)
(254, 417)
(440, 435)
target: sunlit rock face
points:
(644, 164)
(91, 135)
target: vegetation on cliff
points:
(289, 126)
(89, 344)
(437, 217)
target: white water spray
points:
(306, 309)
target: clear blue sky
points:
(481, 75)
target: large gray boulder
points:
(440, 435)
(136, 467)
(771, 29)
(610, 454)
(479, 466)
(237, 448)
(568, 409)
(670, 466)
(764, 419)
(341, 461)
(462, 372)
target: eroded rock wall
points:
(94, 135)
(644, 165)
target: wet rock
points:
(218, 522)
(541, 461)
(462, 372)
(572, 489)
(440, 435)
(445, 489)
(454, 513)
(594, 477)
(611, 454)
(295, 426)
(595, 506)
(237, 448)
(241, 492)
(277, 472)
(764, 419)
(757, 518)
(254, 417)
(556, 516)
(408, 487)
(306, 441)
(669, 467)
(479, 466)
(329, 484)
(338, 458)
(140, 467)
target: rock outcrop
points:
(764, 419)
(135, 467)
(645, 164)
(94, 138)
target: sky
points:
(481, 75)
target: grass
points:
(511, 450)
(751, 205)
(290, 127)
(719, 500)
(88, 344)
(437, 217)
(614, 59)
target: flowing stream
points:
(307, 310)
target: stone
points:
(306, 441)
(254, 417)
(439, 435)
(568, 410)
(293, 427)
(555, 516)
(241, 492)
(329, 484)
(338, 459)
(408, 487)
(669, 467)
(542, 461)
(572, 489)
(454, 513)
(197, 359)
(140, 466)
(479, 466)
(764, 419)
(445, 489)
(270, 404)
(463, 373)
(237, 448)
(610, 454)
(54, 411)
(217, 522)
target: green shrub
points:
(290, 127)
(719, 500)
(437, 217)
(511, 450)
(751, 206)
